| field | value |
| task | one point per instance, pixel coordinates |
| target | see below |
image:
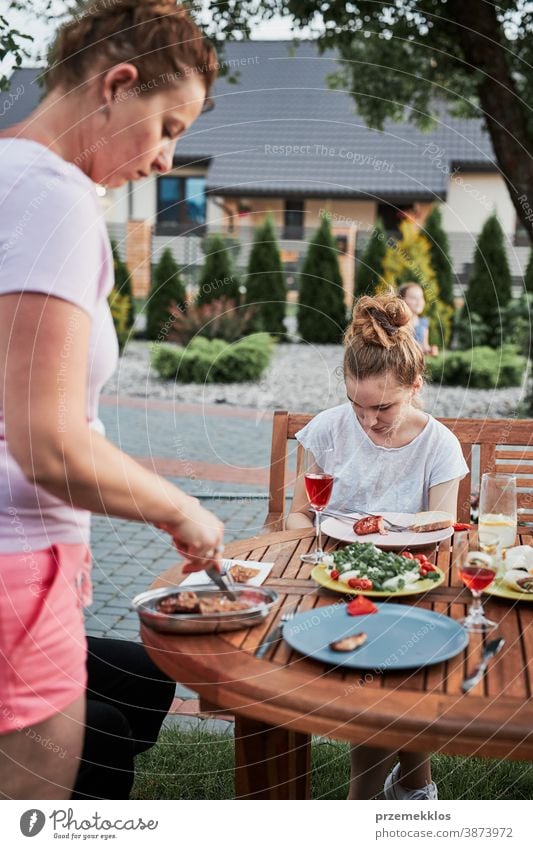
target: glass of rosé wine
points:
(318, 486)
(477, 571)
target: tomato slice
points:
(360, 606)
(408, 554)
(461, 526)
(360, 583)
(334, 575)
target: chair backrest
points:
(489, 445)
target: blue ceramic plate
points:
(399, 636)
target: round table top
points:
(421, 710)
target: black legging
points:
(128, 698)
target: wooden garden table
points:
(281, 700)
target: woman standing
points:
(127, 79)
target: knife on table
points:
(490, 650)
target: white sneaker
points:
(393, 790)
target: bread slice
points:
(432, 520)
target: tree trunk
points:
(480, 36)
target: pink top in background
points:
(53, 240)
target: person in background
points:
(413, 295)
(127, 79)
(388, 456)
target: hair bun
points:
(396, 312)
(379, 320)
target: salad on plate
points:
(364, 568)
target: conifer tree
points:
(217, 279)
(266, 287)
(441, 260)
(369, 268)
(321, 308)
(167, 289)
(489, 287)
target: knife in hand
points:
(490, 650)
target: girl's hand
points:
(198, 535)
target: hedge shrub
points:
(515, 327)
(221, 319)
(478, 368)
(214, 361)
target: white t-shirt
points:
(376, 478)
(53, 240)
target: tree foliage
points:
(369, 269)
(441, 259)
(528, 276)
(266, 286)
(321, 309)
(400, 59)
(123, 282)
(167, 292)
(409, 259)
(489, 287)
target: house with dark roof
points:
(280, 140)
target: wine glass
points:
(477, 571)
(318, 486)
(497, 509)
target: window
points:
(181, 205)
(391, 216)
(293, 222)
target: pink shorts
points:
(42, 638)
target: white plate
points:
(256, 581)
(342, 529)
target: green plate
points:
(320, 575)
(500, 590)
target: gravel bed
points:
(300, 377)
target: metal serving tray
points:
(261, 600)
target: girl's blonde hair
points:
(380, 339)
(157, 36)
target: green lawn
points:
(199, 765)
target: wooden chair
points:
(489, 445)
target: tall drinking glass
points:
(497, 509)
(318, 486)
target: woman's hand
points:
(198, 535)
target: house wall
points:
(115, 205)
(472, 198)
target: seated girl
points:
(389, 455)
(413, 295)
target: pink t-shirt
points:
(53, 240)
